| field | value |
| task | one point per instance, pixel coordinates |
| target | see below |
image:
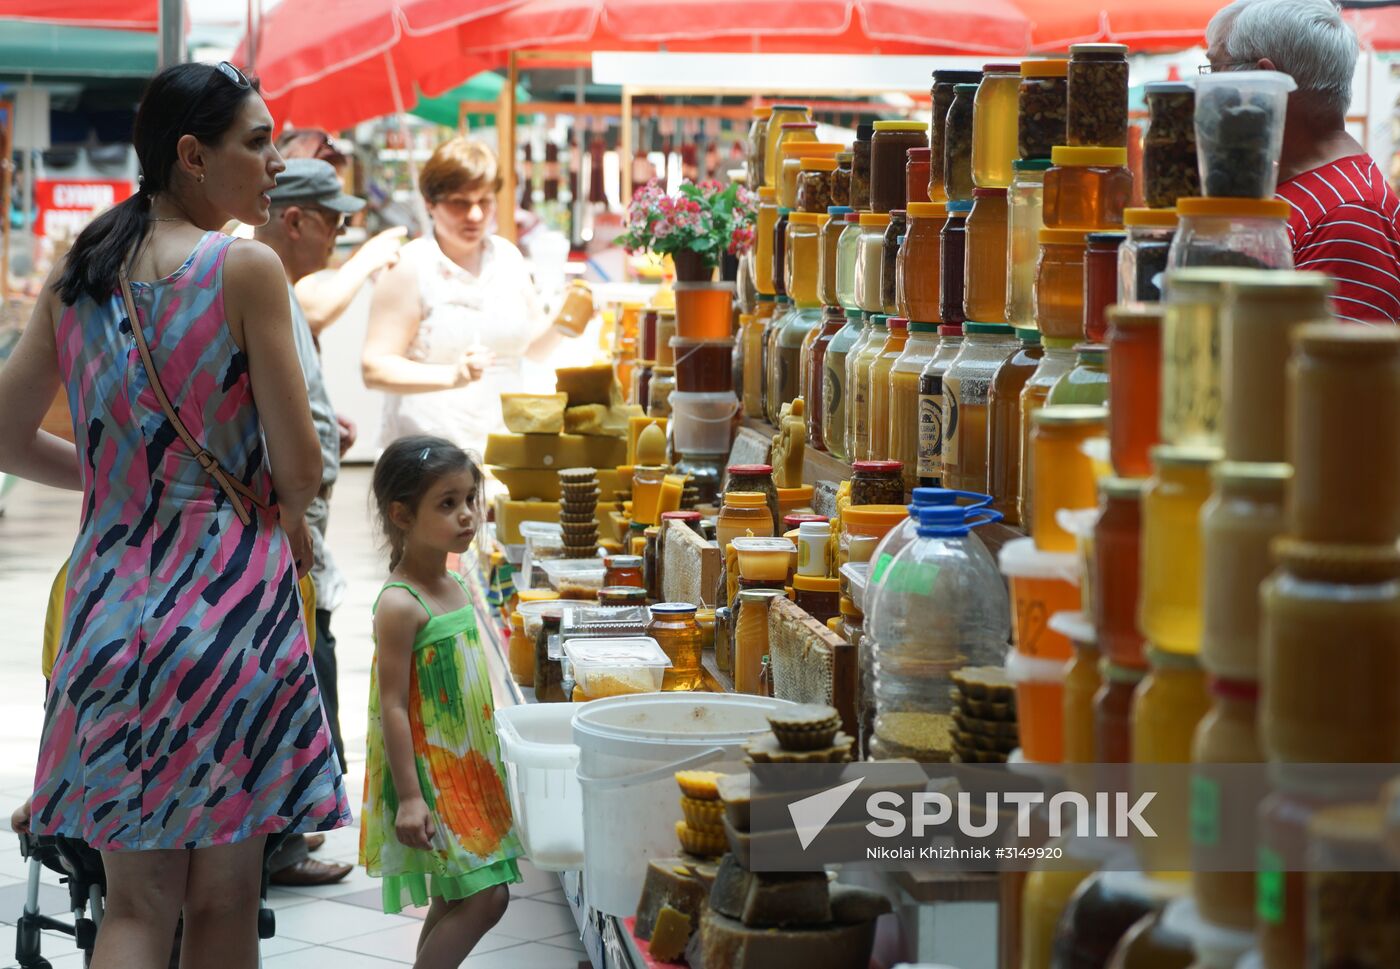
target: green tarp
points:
(48, 52)
(485, 86)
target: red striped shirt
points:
(1346, 222)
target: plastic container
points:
(764, 559)
(1057, 359)
(1042, 103)
(1169, 608)
(703, 311)
(1087, 188)
(780, 115)
(952, 263)
(1040, 706)
(1168, 706)
(922, 246)
(1081, 685)
(1042, 584)
(847, 257)
(803, 258)
(828, 254)
(779, 250)
(860, 167)
(916, 175)
(984, 279)
(1190, 374)
(1059, 283)
(1225, 233)
(858, 364)
(941, 93)
(703, 366)
(994, 126)
(1098, 96)
(835, 395)
(817, 596)
(814, 370)
(764, 222)
(1169, 166)
(585, 572)
(1113, 713)
(616, 667)
(814, 184)
(889, 146)
(541, 765)
(1087, 383)
(1004, 425)
(751, 339)
(903, 446)
(862, 528)
(701, 422)
(966, 398)
(1142, 259)
(1062, 469)
(1239, 131)
(841, 179)
(1023, 222)
(1117, 544)
(1134, 386)
(930, 469)
(957, 144)
(811, 548)
(788, 352)
(629, 751)
(798, 139)
(881, 369)
(889, 261)
(949, 573)
(1100, 282)
(870, 261)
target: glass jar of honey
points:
(1057, 359)
(753, 477)
(676, 631)
(881, 369)
(780, 115)
(858, 367)
(1004, 431)
(835, 392)
(1169, 609)
(1087, 188)
(957, 144)
(847, 255)
(889, 262)
(521, 652)
(966, 397)
(794, 139)
(1170, 170)
(1023, 221)
(841, 179)
(814, 178)
(889, 147)
(870, 261)
(876, 483)
(757, 141)
(828, 254)
(1191, 391)
(1059, 283)
(766, 219)
(942, 93)
(803, 255)
(624, 570)
(743, 513)
(814, 374)
(1134, 386)
(922, 249)
(1100, 282)
(931, 406)
(1117, 544)
(916, 176)
(952, 263)
(1082, 682)
(994, 126)
(817, 596)
(1062, 469)
(779, 251)
(984, 280)
(919, 349)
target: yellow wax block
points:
(789, 449)
(610, 482)
(534, 413)
(635, 426)
(585, 419)
(554, 451)
(526, 483)
(510, 514)
(672, 488)
(617, 525)
(646, 495)
(670, 935)
(586, 385)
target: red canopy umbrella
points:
(110, 14)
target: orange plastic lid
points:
(765, 111)
(1163, 218)
(808, 218)
(1057, 67)
(815, 583)
(746, 499)
(875, 219)
(874, 516)
(767, 193)
(1234, 208)
(817, 164)
(1063, 237)
(927, 210)
(1072, 156)
(900, 126)
(815, 148)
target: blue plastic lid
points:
(953, 521)
(838, 209)
(930, 497)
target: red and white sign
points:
(66, 206)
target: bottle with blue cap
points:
(940, 605)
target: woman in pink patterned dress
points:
(183, 724)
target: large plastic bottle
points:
(940, 605)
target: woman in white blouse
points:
(452, 321)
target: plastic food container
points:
(814, 184)
(1239, 131)
(1100, 281)
(1042, 101)
(585, 572)
(1098, 96)
(1042, 584)
(1169, 166)
(703, 310)
(703, 366)
(889, 154)
(764, 559)
(1232, 233)
(614, 667)
(701, 422)
(941, 93)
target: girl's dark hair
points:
(185, 99)
(405, 472)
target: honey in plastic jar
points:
(1057, 360)
(916, 176)
(880, 386)
(1169, 609)
(922, 245)
(984, 283)
(1062, 470)
(1169, 704)
(781, 114)
(1082, 682)
(763, 241)
(1059, 283)
(1087, 188)
(1191, 390)
(919, 351)
(1351, 910)
(814, 373)
(1113, 713)
(828, 257)
(966, 393)
(1134, 386)
(675, 629)
(889, 148)
(1100, 282)
(521, 651)
(1023, 221)
(1117, 536)
(1004, 432)
(994, 124)
(858, 366)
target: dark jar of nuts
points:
(841, 179)
(1169, 164)
(899, 224)
(877, 483)
(860, 168)
(814, 180)
(957, 145)
(943, 90)
(1042, 102)
(1098, 96)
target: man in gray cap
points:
(308, 213)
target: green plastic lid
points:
(964, 88)
(917, 327)
(996, 329)
(855, 316)
(765, 298)
(1030, 165)
(1059, 342)
(1028, 334)
(782, 212)
(879, 319)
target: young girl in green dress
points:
(436, 821)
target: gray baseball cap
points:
(312, 181)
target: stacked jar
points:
(889, 159)
(942, 93)
(833, 321)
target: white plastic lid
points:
(541, 530)
(1020, 559)
(753, 544)
(631, 652)
(1079, 522)
(1021, 668)
(1074, 626)
(1255, 79)
(814, 530)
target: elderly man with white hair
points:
(1344, 218)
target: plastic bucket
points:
(541, 761)
(702, 423)
(704, 311)
(703, 366)
(629, 751)
(1042, 584)
(1040, 706)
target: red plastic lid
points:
(1002, 68)
(681, 516)
(1247, 690)
(920, 154)
(749, 469)
(897, 323)
(793, 521)
(982, 193)
(853, 217)
(878, 467)
(950, 329)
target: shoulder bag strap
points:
(235, 489)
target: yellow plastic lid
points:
(746, 499)
(1165, 218)
(927, 210)
(875, 219)
(817, 164)
(807, 218)
(1063, 237)
(1170, 455)
(767, 194)
(763, 111)
(537, 595)
(1070, 156)
(1122, 487)
(815, 583)
(1234, 208)
(1056, 67)
(875, 515)
(1136, 314)
(900, 126)
(815, 148)
(1064, 415)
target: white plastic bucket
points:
(630, 748)
(701, 422)
(541, 761)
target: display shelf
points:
(816, 465)
(716, 680)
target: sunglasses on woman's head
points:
(235, 76)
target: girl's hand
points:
(413, 825)
(19, 820)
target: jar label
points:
(833, 401)
(1205, 812)
(931, 433)
(1269, 888)
(950, 422)
(878, 571)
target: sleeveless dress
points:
(451, 716)
(183, 710)
(496, 309)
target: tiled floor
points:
(335, 927)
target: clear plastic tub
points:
(701, 423)
(541, 761)
(1239, 131)
(586, 572)
(616, 667)
(764, 559)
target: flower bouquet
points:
(695, 227)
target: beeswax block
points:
(586, 385)
(669, 936)
(526, 483)
(728, 943)
(554, 451)
(534, 413)
(510, 513)
(669, 882)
